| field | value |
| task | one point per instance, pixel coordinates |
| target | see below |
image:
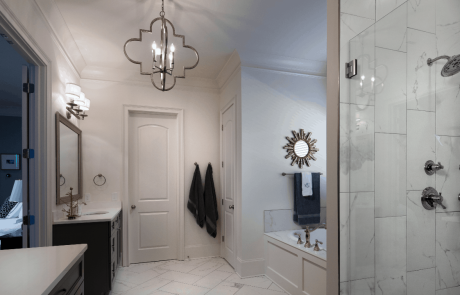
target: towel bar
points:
(284, 174)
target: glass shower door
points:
(395, 115)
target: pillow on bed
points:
(16, 211)
(6, 208)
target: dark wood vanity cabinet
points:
(104, 240)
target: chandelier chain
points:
(162, 13)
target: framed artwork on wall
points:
(10, 161)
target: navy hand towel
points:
(307, 210)
(196, 199)
(210, 201)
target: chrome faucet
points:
(431, 167)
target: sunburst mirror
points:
(301, 148)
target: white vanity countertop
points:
(112, 213)
(285, 237)
(36, 270)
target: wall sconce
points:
(78, 103)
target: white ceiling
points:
(264, 31)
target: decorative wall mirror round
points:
(301, 148)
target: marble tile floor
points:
(210, 276)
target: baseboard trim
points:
(250, 268)
(200, 251)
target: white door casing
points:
(153, 183)
(228, 152)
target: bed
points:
(10, 233)
(11, 219)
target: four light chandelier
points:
(162, 55)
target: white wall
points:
(273, 104)
(102, 142)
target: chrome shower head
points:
(452, 66)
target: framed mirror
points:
(68, 160)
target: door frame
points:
(231, 103)
(333, 145)
(40, 136)
(127, 109)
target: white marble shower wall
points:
(396, 114)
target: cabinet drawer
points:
(80, 290)
(72, 279)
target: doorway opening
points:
(23, 108)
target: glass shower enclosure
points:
(399, 213)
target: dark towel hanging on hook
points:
(210, 201)
(196, 198)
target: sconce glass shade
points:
(86, 106)
(80, 100)
(72, 91)
(16, 193)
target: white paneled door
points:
(153, 187)
(228, 184)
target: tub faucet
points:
(299, 241)
(308, 232)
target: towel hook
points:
(196, 164)
(99, 175)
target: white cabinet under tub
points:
(297, 270)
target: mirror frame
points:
(290, 147)
(61, 119)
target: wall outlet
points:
(115, 196)
(87, 197)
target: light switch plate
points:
(87, 197)
(114, 196)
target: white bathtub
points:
(296, 269)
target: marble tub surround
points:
(279, 220)
(389, 244)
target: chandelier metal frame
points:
(162, 69)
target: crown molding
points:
(283, 64)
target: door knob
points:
(231, 207)
(133, 206)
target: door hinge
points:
(28, 220)
(222, 127)
(222, 202)
(223, 239)
(351, 69)
(28, 153)
(28, 88)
